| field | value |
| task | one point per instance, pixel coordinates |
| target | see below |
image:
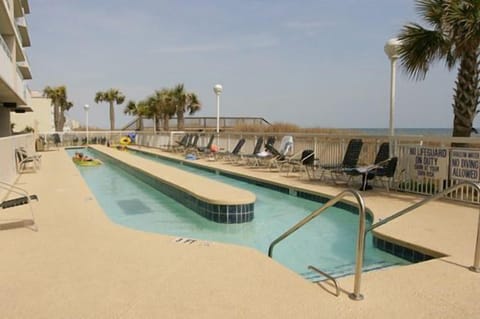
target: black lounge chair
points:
(192, 145)
(256, 150)
(385, 172)
(182, 143)
(350, 159)
(18, 201)
(383, 167)
(303, 161)
(234, 154)
(207, 148)
(24, 199)
(258, 157)
(56, 139)
(279, 156)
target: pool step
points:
(343, 270)
(190, 241)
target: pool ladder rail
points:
(362, 230)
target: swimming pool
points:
(328, 242)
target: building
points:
(41, 117)
(14, 65)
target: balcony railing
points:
(20, 73)
(7, 4)
(18, 33)
(4, 45)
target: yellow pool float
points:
(125, 140)
(88, 162)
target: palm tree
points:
(454, 38)
(136, 109)
(163, 107)
(184, 101)
(58, 95)
(110, 96)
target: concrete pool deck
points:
(81, 265)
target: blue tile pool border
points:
(279, 188)
(219, 213)
(406, 253)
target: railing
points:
(7, 2)
(18, 33)
(362, 230)
(355, 295)
(435, 174)
(5, 47)
(476, 261)
(200, 123)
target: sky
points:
(318, 63)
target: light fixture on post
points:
(86, 107)
(392, 50)
(218, 90)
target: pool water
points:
(328, 242)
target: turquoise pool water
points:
(328, 242)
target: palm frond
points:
(420, 48)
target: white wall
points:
(8, 171)
(41, 119)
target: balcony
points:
(5, 19)
(25, 69)
(13, 90)
(26, 6)
(17, 8)
(22, 28)
(5, 48)
(7, 4)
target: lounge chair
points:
(303, 163)
(24, 160)
(234, 154)
(24, 199)
(380, 164)
(207, 148)
(245, 158)
(281, 155)
(386, 172)
(36, 156)
(258, 157)
(350, 160)
(192, 146)
(182, 143)
(56, 139)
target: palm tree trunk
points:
(61, 120)
(180, 120)
(112, 117)
(466, 95)
(56, 117)
(165, 120)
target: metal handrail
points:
(337, 290)
(476, 260)
(360, 249)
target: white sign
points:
(428, 162)
(465, 165)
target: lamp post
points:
(218, 90)
(391, 49)
(86, 107)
